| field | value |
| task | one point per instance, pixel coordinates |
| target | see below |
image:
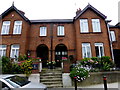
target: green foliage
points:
(6, 65)
(27, 67)
(22, 58)
(103, 64)
(79, 73)
(16, 69)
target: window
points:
(60, 31)
(17, 27)
(112, 33)
(14, 51)
(86, 50)
(2, 50)
(5, 27)
(99, 49)
(84, 25)
(43, 31)
(96, 25)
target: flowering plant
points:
(64, 59)
(79, 73)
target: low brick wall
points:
(97, 78)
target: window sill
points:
(42, 36)
(61, 36)
(11, 35)
(91, 32)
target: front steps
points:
(51, 77)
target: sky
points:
(61, 9)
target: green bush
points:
(27, 67)
(79, 73)
(6, 65)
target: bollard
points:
(75, 81)
(105, 82)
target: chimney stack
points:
(78, 11)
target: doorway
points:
(42, 52)
(60, 51)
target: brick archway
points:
(60, 51)
(42, 51)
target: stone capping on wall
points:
(97, 78)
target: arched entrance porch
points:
(60, 51)
(42, 52)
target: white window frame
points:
(112, 34)
(5, 27)
(99, 45)
(86, 50)
(14, 50)
(96, 25)
(17, 27)
(43, 31)
(3, 50)
(60, 30)
(84, 26)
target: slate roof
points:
(52, 21)
(12, 8)
(92, 8)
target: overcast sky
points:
(61, 9)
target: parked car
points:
(14, 82)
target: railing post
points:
(105, 82)
(75, 81)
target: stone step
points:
(49, 77)
(51, 80)
(50, 74)
(52, 83)
(55, 86)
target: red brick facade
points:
(30, 38)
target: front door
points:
(60, 51)
(42, 52)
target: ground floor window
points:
(3, 50)
(86, 50)
(99, 49)
(14, 51)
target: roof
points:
(12, 8)
(92, 8)
(115, 26)
(52, 21)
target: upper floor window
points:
(17, 27)
(84, 25)
(96, 25)
(99, 49)
(14, 51)
(60, 31)
(5, 27)
(112, 33)
(86, 50)
(3, 50)
(43, 31)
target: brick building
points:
(86, 35)
(115, 41)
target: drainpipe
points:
(110, 41)
(51, 38)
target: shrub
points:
(27, 67)
(6, 65)
(79, 73)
